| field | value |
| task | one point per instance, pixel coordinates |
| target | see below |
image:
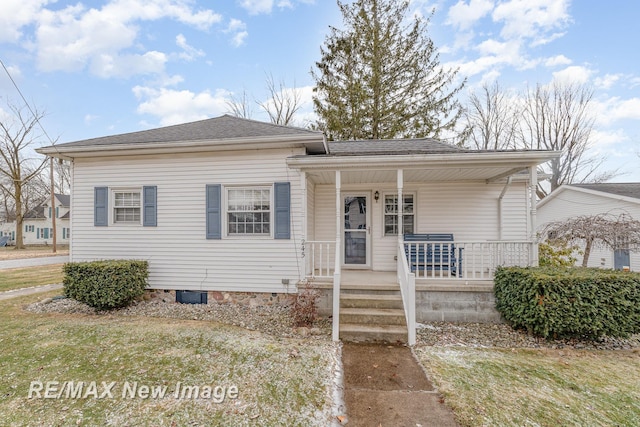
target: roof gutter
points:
(526, 158)
(279, 141)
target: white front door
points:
(357, 231)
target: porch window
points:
(391, 214)
(126, 207)
(249, 211)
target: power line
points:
(35, 116)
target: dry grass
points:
(10, 252)
(280, 381)
(17, 278)
(518, 387)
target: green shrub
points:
(569, 302)
(557, 253)
(105, 285)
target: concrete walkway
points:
(29, 291)
(33, 262)
(385, 386)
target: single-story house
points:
(230, 205)
(614, 199)
(38, 224)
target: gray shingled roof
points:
(64, 199)
(223, 127)
(396, 146)
(628, 189)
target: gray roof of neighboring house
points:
(627, 189)
(395, 146)
(64, 199)
(223, 127)
(66, 216)
(35, 213)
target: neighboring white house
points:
(592, 199)
(230, 204)
(37, 224)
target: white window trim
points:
(112, 206)
(225, 211)
(415, 210)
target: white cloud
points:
(255, 7)
(531, 19)
(463, 15)
(557, 60)
(607, 81)
(189, 52)
(238, 30)
(89, 118)
(180, 106)
(573, 74)
(75, 37)
(15, 14)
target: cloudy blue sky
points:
(104, 67)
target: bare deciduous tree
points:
(603, 230)
(283, 103)
(492, 118)
(559, 117)
(19, 165)
(240, 106)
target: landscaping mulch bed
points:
(276, 321)
(504, 336)
(273, 320)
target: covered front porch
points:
(416, 221)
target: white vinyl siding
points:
(468, 210)
(179, 254)
(571, 203)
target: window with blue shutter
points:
(214, 211)
(101, 206)
(282, 202)
(150, 214)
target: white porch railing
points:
(407, 281)
(319, 258)
(460, 260)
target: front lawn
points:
(17, 278)
(541, 387)
(279, 381)
(32, 251)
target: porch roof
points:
(458, 165)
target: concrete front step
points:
(373, 316)
(363, 300)
(373, 333)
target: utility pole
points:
(53, 210)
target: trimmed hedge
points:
(569, 302)
(105, 285)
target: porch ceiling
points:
(467, 166)
(377, 176)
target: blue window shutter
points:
(38, 234)
(101, 206)
(26, 228)
(57, 211)
(282, 201)
(214, 211)
(64, 233)
(150, 196)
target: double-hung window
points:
(391, 214)
(249, 211)
(126, 206)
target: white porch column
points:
(335, 333)
(400, 205)
(533, 182)
(303, 222)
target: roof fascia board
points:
(569, 187)
(228, 144)
(526, 159)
